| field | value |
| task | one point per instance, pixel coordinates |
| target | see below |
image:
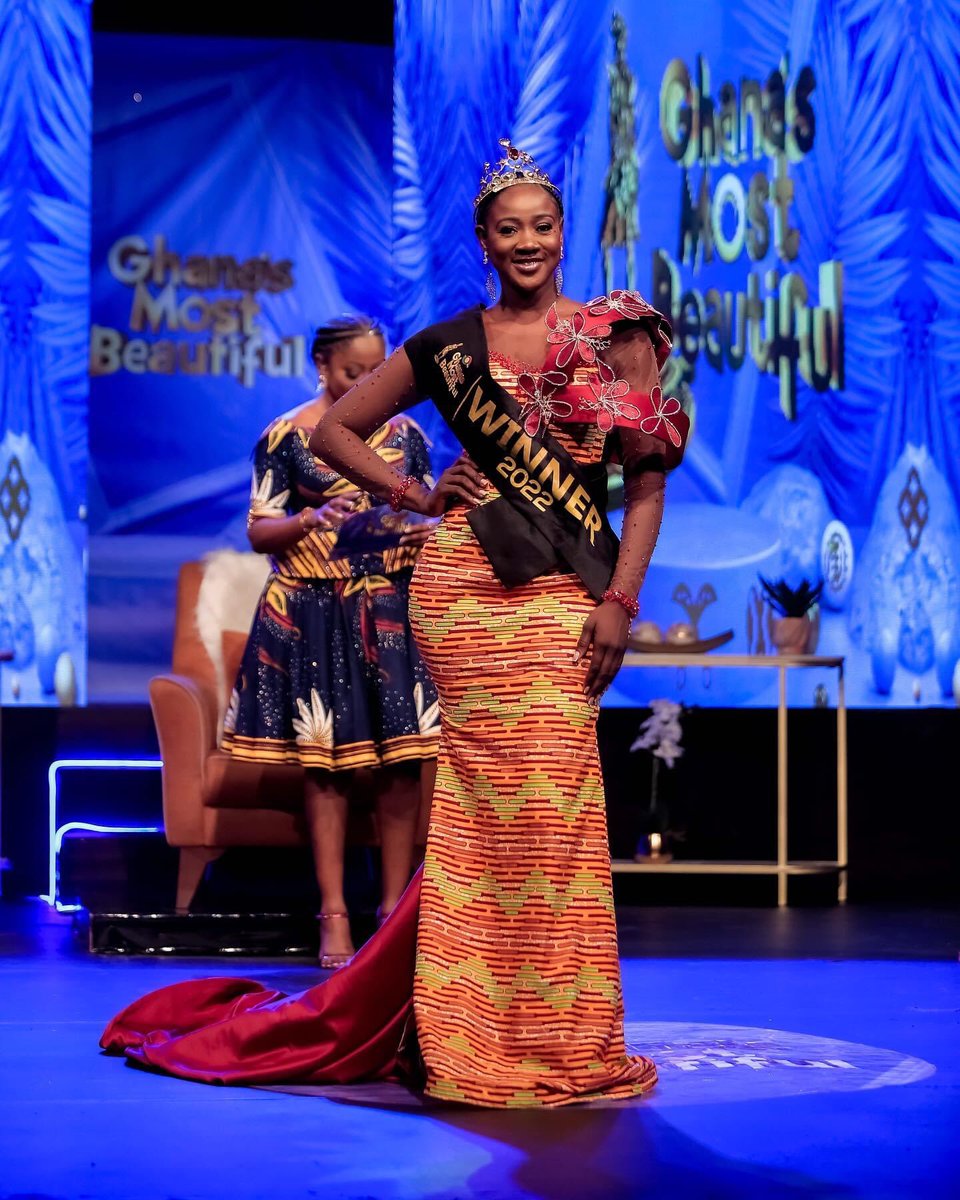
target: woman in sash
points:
(521, 603)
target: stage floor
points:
(806, 1052)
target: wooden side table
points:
(783, 866)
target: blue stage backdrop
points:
(241, 194)
(784, 181)
(45, 70)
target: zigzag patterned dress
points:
(507, 937)
(517, 991)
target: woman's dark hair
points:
(484, 206)
(342, 329)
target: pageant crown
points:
(516, 166)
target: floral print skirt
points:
(332, 678)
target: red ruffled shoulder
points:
(577, 340)
(625, 306)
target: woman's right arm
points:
(340, 439)
(277, 535)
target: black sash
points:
(551, 514)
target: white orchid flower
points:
(660, 733)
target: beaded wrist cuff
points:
(630, 605)
(398, 493)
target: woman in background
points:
(331, 677)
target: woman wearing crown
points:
(521, 603)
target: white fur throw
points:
(227, 599)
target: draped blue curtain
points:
(241, 196)
(878, 193)
(45, 121)
(279, 154)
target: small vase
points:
(791, 635)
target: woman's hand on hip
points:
(459, 483)
(604, 639)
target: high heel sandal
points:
(332, 962)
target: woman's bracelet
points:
(629, 604)
(304, 512)
(401, 489)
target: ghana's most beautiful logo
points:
(734, 146)
(201, 333)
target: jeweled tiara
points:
(516, 166)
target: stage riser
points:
(249, 935)
(904, 829)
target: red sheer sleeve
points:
(631, 355)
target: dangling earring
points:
(558, 274)
(491, 283)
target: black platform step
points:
(264, 935)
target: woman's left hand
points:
(604, 638)
(461, 483)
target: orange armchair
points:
(212, 801)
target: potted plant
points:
(793, 630)
(660, 734)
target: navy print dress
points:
(331, 676)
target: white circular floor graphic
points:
(709, 1064)
(704, 1064)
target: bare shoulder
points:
(567, 307)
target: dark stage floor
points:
(807, 1052)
